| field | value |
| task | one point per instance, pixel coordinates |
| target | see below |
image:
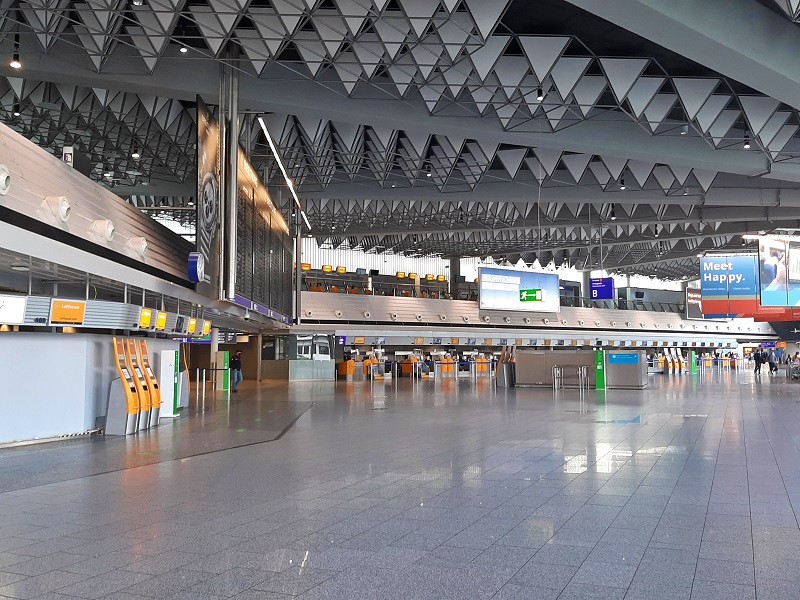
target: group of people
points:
(762, 357)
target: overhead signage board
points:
(729, 285)
(12, 310)
(67, 312)
(511, 289)
(694, 308)
(601, 288)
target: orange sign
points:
(454, 341)
(360, 340)
(781, 344)
(487, 341)
(518, 341)
(192, 325)
(145, 318)
(206, 327)
(419, 341)
(67, 312)
(161, 321)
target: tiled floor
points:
(440, 491)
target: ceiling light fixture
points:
(283, 170)
(622, 183)
(539, 94)
(183, 50)
(20, 268)
(747, 140)
(135, 154)
(685, 129)
(16, 112)
(15, 62)
(613, 214)
(138, 2)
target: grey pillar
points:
(455, 276)
(586, 276)
(229, 146)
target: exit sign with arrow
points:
(534, 295)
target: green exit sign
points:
(534, 295)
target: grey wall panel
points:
(36, 174)
(37, 310)
(342, 310)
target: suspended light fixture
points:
(685, 129)
(15, 62)
(539, 94)
(747, 140)
(622, 185)
(16, 112)
(183, 50)
(613, 213)
(135, 154)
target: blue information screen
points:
(619, 358)
(601, 288)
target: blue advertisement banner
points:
(508, 289)
(729, 285)
(601, 288)
(779, 272)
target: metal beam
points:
(741, 39)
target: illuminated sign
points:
(206, 327)
(161, 321)
(192, 325)
(67, 312)
(145, 318)
(601, 288)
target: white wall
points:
(56, 384)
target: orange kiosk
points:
(122, 414)
(152, 383)
(141, 384)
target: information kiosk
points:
(122, 414)
(152, 382)
(141, 384)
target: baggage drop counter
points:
(626, 369)
(535, 367)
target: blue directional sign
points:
(601, 288)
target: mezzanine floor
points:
(424, 491)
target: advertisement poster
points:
(208, 197)
(508, 289)
(779, 271)
(729, 285)
(693, 304)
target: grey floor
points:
(439, 491)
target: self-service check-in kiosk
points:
(152, 383)
(141, 384)
(122, 415)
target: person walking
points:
(758, 358)
(236, 367)
(773, 362)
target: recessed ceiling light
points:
(20, 267)
(135, 154)
(183, 50)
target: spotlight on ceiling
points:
(746, 140)
(15, 62)
(137, 2)
(183, 50)
(539, 94)
(622, 185)
(21, 268)
(613, 213)
(135, 154)
(16, 112)
(685, 129)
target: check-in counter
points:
(535, 367)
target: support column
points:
(586, 277)
(298, 271)
(455, 276)
(229, 165)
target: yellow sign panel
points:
(145, 318)
(781, 345)
(360, 340)
(454, 341)
(548, 342)
(192, 325)
(487, 341)
(518, 341)
(161, 321)
(67, 312)
(206, 327)
(574, 342)
(419, 341)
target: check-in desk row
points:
(134, 401)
